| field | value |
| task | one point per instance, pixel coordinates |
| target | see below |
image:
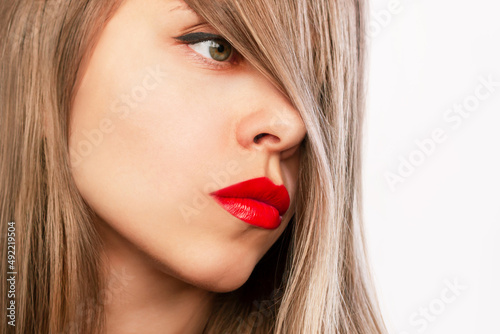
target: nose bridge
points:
(269, 120)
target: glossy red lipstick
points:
(257, 201)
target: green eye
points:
(216, 49)
(220, 50)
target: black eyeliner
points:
(197, 37)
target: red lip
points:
(257, 201)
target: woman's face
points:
(158, 124)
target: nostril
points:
(256, 139)
(270, 139)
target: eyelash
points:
(200, 37)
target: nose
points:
(270, 122)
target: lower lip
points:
(251, 211)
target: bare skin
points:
(156, 125)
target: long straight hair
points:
(314, 279)
(57, 284)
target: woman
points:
(183, 167)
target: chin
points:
(216, 274)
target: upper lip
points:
(260, 189)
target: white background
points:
(439, 223)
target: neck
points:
(140, 298)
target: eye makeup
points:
(196, 37)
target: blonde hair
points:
(314, 279)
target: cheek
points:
(138, 173)
(151, 145)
